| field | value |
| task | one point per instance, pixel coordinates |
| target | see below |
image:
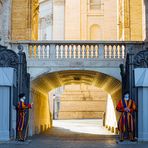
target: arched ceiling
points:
(47, 82)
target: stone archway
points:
(46, 82)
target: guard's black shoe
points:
(121, 140)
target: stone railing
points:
(112, 50)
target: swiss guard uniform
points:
(22, 107)
(126, 123)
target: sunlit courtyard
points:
(88, 126)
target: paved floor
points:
(74, 134)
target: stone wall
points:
(85, 23)
(40, 119)
(5, 22)
(82, 102)
(130, 20)
(24, 19)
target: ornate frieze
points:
(8, 58)
(141, 59)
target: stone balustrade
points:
(75, 49)
(101, 56)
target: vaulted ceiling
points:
(49, 81)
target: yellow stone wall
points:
(84, 23)
(72, 20)
(82, 102)
(79, 22)
(24, 20)
(130, 20)
(40, 113)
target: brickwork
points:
(86, 103)
(130, 20)
(24, 19)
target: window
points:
(95, 4)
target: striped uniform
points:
(126, 120)
(21, 106)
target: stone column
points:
(5, 21)
(145, 19)
(141, 82)
(58, 19)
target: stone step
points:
(81, 98)
(80, 115)
(83, 105)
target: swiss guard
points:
(22, 110)
(126, 123)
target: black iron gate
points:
(137, 57)
(8, 58)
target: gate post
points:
(141, 82)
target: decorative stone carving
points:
(141, 59)
(8, 58)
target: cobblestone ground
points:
(74, 134)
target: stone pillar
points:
(5, 21)
(7, 111)
(145, 19)
(24, 20)
(130, 20)
(58, 19)
(141, 82)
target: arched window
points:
(95, 32)
(95, 4)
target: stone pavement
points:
(59, 137)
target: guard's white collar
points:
(22, 100)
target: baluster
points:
(107, 51)
(110, 51)
(47, 51)
(72, 51)
(37, 51)
(114, 52)
(94, 51)
(39, 46)
(57, 51)
(66, 51)
(118, 51)
(123, 51)
(84, 51)
(63, 51)
(43, 51)
(81, 52)
(60, 51)
(76, 51)
(87, 51)
(92, 48)
(33, 52)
